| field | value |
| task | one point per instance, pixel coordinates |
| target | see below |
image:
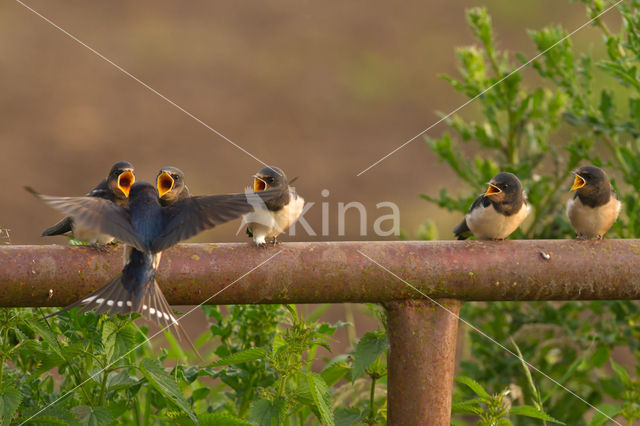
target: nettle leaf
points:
(367, 351)
(533, 412)
(335, 371)
(10, 399)
(93, 416)
(164, 383)
(117, 340)
(41, 329)
(320, 393)
(267, 413)
(474, 386)
(241, 357)
(348, 416)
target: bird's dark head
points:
(504, 187)
(589, 179)
(170, 183)
(121, 178)
(140, 190)
(269, 177)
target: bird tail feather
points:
(59, 228)
(462, 231)
(111, 297)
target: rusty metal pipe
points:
(422, 352)
(336, 272)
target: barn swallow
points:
(277, 214)
(595, 206)
(147, 228)
(171, 185)
(115, 188)
(498, 212)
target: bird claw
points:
(100, 248)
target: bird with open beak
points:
(595, 206)
(148, 228)
(115, 188)
(274, 216)
(498, 212)
(171, 185)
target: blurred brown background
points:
(320, 89)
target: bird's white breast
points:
(487, 224)
(264, 223)
(591, 222)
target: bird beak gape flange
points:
(259, 184)
(578, 182)
(493, 189)
(164, 184)
(126, 180)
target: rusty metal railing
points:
(422, 335)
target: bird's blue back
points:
(145, 211)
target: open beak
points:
(259, 184)
(492, 189)
(164, 184)
(578, 182)
(125, 181)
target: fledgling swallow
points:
(115, 188)
(595, 206)
(498, 212)
(148, 229)
(171, 185)
(277, 214)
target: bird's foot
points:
(599, 237)
(580, 237)
(100, 248)
(275, 241)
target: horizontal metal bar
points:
(337, 272)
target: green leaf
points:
(10, 399)
(347, 416)
(606, 411)
(600, 356)
(320, 393)
(41, 328)
(334, 372)
(267, 413)
(93, 416)
(220, 419)
(117, 339)
(164, 383)
(533, 412)
(475, 387)
(622, 373)
(241, 357)
(367, 351)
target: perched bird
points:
(171, 185)
(595, 206)
(147, 228)
(274, 216)
(115, 188)
(498, 212)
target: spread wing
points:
(192, 215)
(96, 213)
